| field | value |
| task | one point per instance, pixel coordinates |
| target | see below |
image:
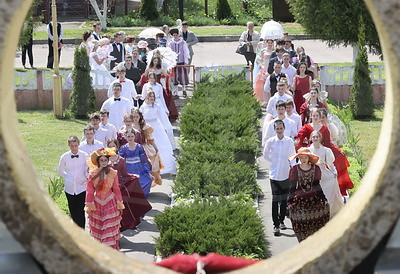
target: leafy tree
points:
(336, 22)
(223, 10)
(31, 22)
(148, 9)
(361, 96)
(82, 96)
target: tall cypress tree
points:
(83, 100)
(361, 94)
(223, 10)
(148, 9)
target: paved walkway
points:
(287, 239)
(213, 53)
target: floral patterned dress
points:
(308, 206)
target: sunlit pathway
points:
(287, 239)
(140, 243)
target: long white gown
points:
(329, 183)
(102, 78)
(152, 116)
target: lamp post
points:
(57, 95)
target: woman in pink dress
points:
(301, 85)
(104, 200)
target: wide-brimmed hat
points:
(101, 152)
(304, 151)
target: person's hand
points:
(120, 211)
(296, 142)
(137, 97)
(151, 176)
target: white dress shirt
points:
(117, 110)
(158, 91)
(75, 172)
(112, 131)
(277, 151)
(297, 119)
(271, 107)
(101, 134)
(128, 90)
(290, 71)
(89, 149)
(290, 129)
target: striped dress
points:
(103, 199)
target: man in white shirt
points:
(117, 106)
(277, 151)
(100, 134)
(290, 126)
(281, 95)
(90, 144)
(72, 166)
(288, 69)
(291, 115)
(128, 89)
(112, 132)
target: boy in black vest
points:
(273, 79)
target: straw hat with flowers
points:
(304, 151)
(92, 160)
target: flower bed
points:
(217, 159)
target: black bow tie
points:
(74, 156)
(117, 99)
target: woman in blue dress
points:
(136, 161)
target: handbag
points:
(241, 49)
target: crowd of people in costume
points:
(167, 55)
(129, 143)
(300, 137)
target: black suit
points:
(117, 52)
(50, 57)
(271, 64)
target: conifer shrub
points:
(223, 10)
(148, 9)
(82, 97)
(225, 226)
(361, 93)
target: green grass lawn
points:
(291, 28)
(46, 139)
(368, 131)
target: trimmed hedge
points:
(217, 159)
(219, 140)
(227, 227)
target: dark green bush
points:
(361, 95)
(148, 9)
(216, 179)
(82, 96)
(223, 10)
(226, 227)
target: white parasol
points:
(168, 57)
(271, 30)
(150, 33)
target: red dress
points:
(103, 200)
(305, 112)
(341, 163)
(302, 87)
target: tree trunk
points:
(180, 4)
(102, 17)
(206, 7)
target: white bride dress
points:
(329, 183)
(152, 114)
(99, 73)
